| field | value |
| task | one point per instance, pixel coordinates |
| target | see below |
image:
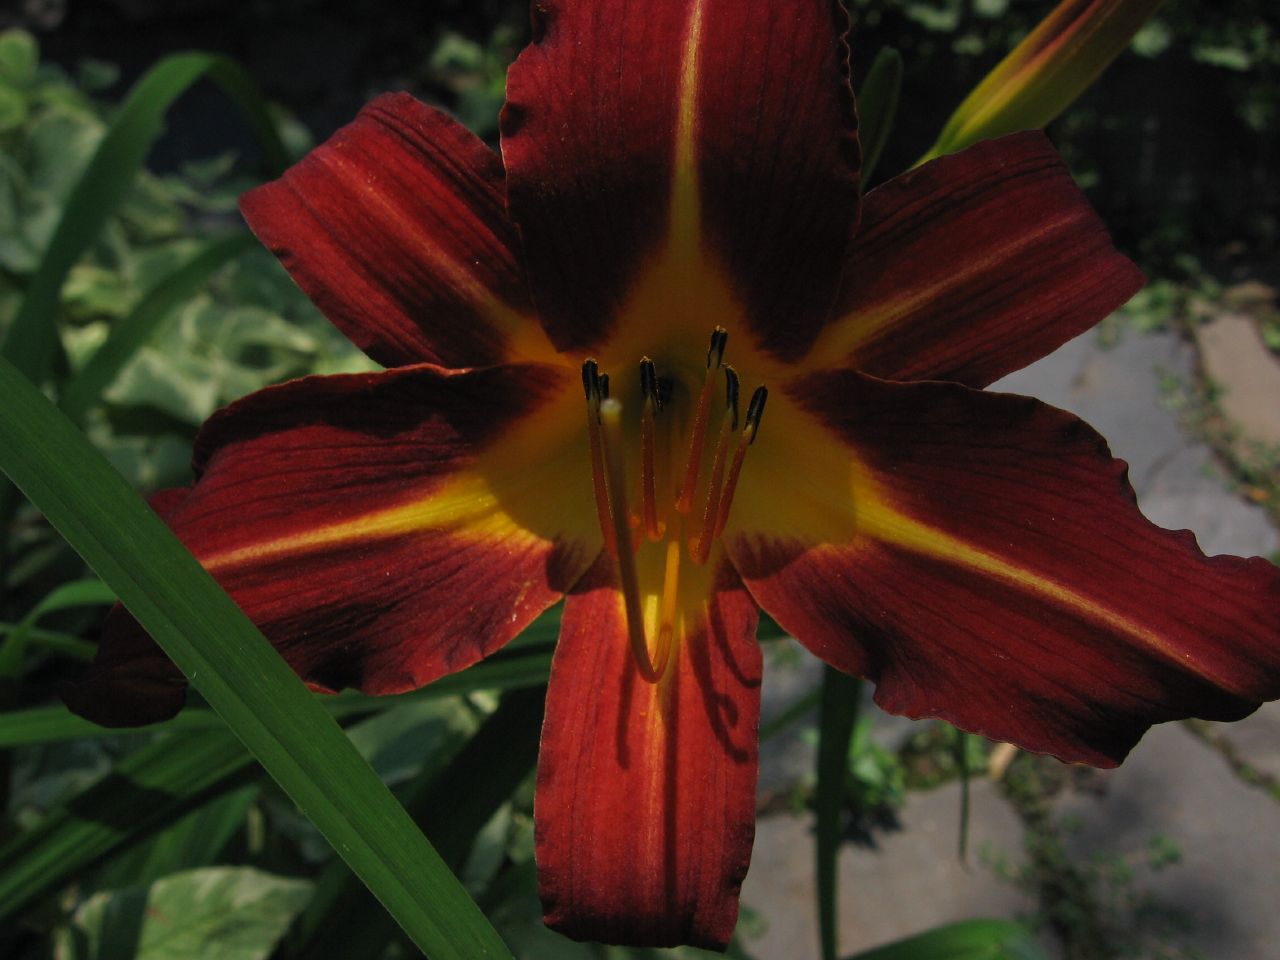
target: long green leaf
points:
(451, 808)
(78, 593)
(197, 839)
(66, 644)
(967, 940)
(147, 790)
(130, 333)
(236, 670)
(108, 179)
(38, 725)
(841, 698)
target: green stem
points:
(838, 714)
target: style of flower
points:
(662, 359)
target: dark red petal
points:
(385, 529)
(992, 569)
(724, 128)
(396, 228)
(645, 808)
(132, 682)
(973, 266)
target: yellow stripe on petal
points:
(882, 523)
(839, 343)
(686, 211)
(466, 502)
(528, 485)
(812, 491)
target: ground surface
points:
(1175, 855)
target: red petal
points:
(396, 228)
(132, 682)
(723, 128)
(385, 529)
(973, 266)
(645, 809)
(991, 568)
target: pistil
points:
(616, 479)
(701, 548)
(755, 410)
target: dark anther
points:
(715, 355)
(590, 378)
(665, 388)
(649, 383)
(731, 392)
(755, 410)
(602, 384)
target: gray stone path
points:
(1225, 891)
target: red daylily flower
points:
(685, 177)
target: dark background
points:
(1175, 144)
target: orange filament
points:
(711, 512)
(754, 412)
(715, 357)
(726, 496)
(615, 474)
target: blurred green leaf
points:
(514, 671)
(452, 806)
(968, 940)
(65, 644)
(18, 57)
(231, 913)
(32, 338)
(203, 631)
(129, 334)
(1046, 72)
(79, 593)
(147, 789)
(194, 840)
(13, 107)
(878, 106)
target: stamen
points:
(616, 475)
(596, 387)
(701, 550)
(670, 594)
(715, 353)
(651, 405)
(755, 410)
(715, 358)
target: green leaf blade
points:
(966, 940)
(32, 338)
(239, 674)
(132, 332)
